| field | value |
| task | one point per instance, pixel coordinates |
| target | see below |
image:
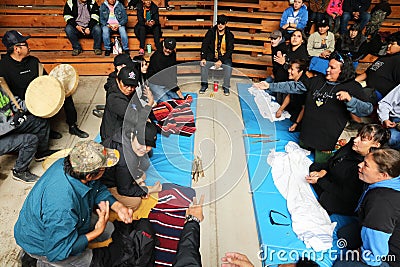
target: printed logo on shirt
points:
(377, 65)
(25, 71)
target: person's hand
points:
(203, 62)
(279, 58)
(157, 187)
(147, 92)
(285, 26)
(124, 213)
(196, 209)
(218, 64)
(313, 177)
(389, 124)
(278, 114)
(293, 127)
(19, 118)
(261, 85)
(80, 29)
(103, 212)
(114, 27)
(235, 259)
(325, 54)
(87, 31)
(144, 66)
(343, 96)
(356, 15)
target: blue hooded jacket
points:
(301, 18)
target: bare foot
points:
(157, 187)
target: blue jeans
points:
(73, 36)
(161, 93)
(345, 18)
(394, 141)
(107, 35)
(227, 66)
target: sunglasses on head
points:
(337, 56)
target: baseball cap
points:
(222, 19)
(149, 136)
(170, 43)
(13, 37)
(123, 59)
(88, 156)
(323, 23)
(129, 76)
(275, 34)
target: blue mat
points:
(278, 242)
(172, 158)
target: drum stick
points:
(4, 84)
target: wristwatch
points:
(190, 218)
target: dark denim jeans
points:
(73, 35)
(345, 18)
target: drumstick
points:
(4, 85)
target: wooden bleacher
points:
(251, 21)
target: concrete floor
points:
(229, 223)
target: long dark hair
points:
(375, 132)
(347, 71)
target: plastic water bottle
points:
(117, 49)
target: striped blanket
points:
(167, 219)
(175, 116)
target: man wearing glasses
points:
(217, 49)
(19, 68)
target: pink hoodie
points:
(335, 7)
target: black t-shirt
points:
(280, 73)
(19, 75)
(384, 74)
(324, 115)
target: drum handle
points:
(4, 85)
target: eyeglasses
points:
(221, 23)
(337, 56)
(273, 222)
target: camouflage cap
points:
(88, 156)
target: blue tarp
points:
(278, 242)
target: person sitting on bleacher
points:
(336, 182)
(384, 74)
(82, 18)
(148, 22)
(113, 18)
(294, 17)
(356, 9)
(353, 42)
(216, 49)
(328, 101)
(319, 46)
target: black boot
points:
(74, 130)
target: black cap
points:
(222, 19)
(13, 37)
(323, 23)
(170, 43)
(149, 137)
(129, 76)
(123, 59)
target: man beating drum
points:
(19, 69)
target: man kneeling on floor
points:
(56, 222)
